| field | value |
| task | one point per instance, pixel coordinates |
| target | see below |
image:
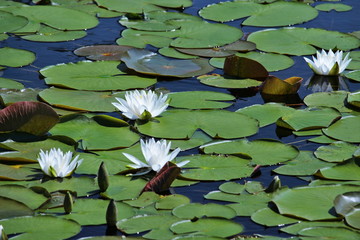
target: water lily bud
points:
(145, 116)
(68, 202)
(2, 233)
(274, 185)
(111, 214)
(103, 177)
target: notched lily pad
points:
(219, 81)
(147, 62)
(102, 52)
(346, 129)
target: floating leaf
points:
(9, 97)
(347, 202)
(222, 82)
(98, 76)
(271, 61)
(269, 218)
(232, 188)
(12, 57)
(349, 170)
(303, 40)
(197, 139)
(301, 202)
(296, 228)
(200, 100)
(16, 172)
(10, 84)
(346, 129)
(276, 86)
(267, 113)
(272, 151)
(216, 123)
(140, 39)
(354, 75)
(13, 22)
(172, 201)
(41, 227)
(336, 152)
(147, 62)
(215, 168)
(11, 208)
(208, 226)
(334, 99)
(49, 34)
(354, 99)
(31, 117)
(310, 118)
(330, 232)
(266, 15)
(94, 136)
(171, 52)
(102, 52)
(339, 7)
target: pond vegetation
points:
(123, 135)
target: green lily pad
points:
(258, 198)
(310, 118)
(216, 123)
(353, 217)
(208, 226)
(355, 62)
(172, 201)
(79, 100)
(267, 113)
(304, 164)
(354, 99)
(27, 152)
(12, 22)
(49, 34)
(214, 168)
(339, 7)
(329, 232)
(250, 203)
(336, 152)
(141, 6)
(12, 57)
(123, 188)
(296, 228)
(264, 15)
(346, 129)
(271, 61)
(232, 188)
(11, 172)
(10, 84)
(197, 139)
(94, 136)
(22, 194)
(102, 52)
(93, 211)
(219, 81)
(171, 52)
(157, 224)
(303, 41)
(302, 202)
(349, 170)
(272, 151)
(140, 39)
(200, 100)
(334, 99)
(41, 227)
(56, 17)
(147, 62)
(198, 210)
(347, 202)
(98, 76)
(269, 218)
(10, 208)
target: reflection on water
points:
(320, 83)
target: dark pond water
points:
(109, 30)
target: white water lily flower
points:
(156, 154)
(328, 63)
(55, 163)
(139, 104)
(1, 232)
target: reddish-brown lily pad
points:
(31, 117)
(103, 52)
(244, 68)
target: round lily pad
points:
(264, 15)
(41, 227)
(349, 170)
(94, 136)
(49, 34)
(102, 52)
(197, 210)
(214, 168)
(334, 99)
(272, 151)
(171, 52)
(100, 76)
(303, 40)
(12, 22)
(12, 57)
(339, 7)
(219, 81)
(336, 152)
(200, 100)
(346, 129)
(79, 100)
(11, 208)
(269, 218)
(10, 84)
(216, 123)
(301, 202)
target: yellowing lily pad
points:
(276, 86)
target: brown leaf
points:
(31, 117)
(276, 86)
(244, 68)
